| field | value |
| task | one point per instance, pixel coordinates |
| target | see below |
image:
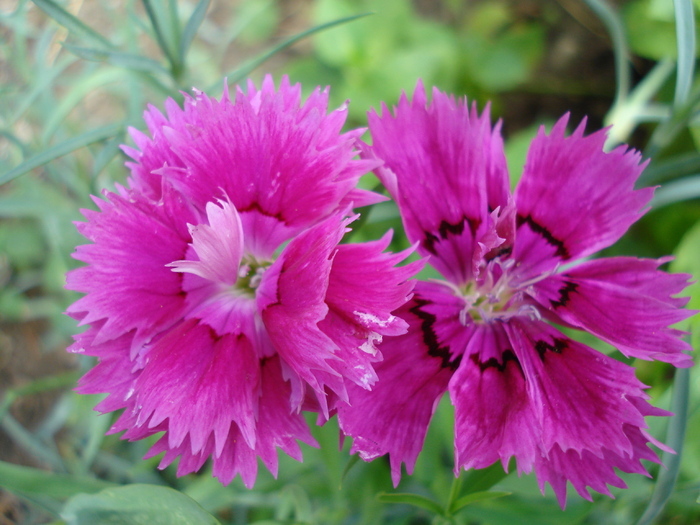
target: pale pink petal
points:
(218, 245)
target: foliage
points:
(73, 81)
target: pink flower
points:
(514, 267)
(219, 299)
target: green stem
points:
(454, 495)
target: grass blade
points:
(73, 24)
(116, 58)
(475, 497)
(192, 26)
(678, 166)
(676, 435)
(62, 149)
(167, 33)
(17, 478)
(677, 191)
(616, 28)
(685, 37)
(411, 499)
(241, 72)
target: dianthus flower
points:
(514, 267)
(220, 301)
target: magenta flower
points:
(514, 267)
(220, 301)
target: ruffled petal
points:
(575, 196)
(275, 155)
(588, 470)
(625, 301)
(444, 165)
(393, 418)
(495, 418)
(126, 281)
(218, 245)
(291, 298)
(277, 426)
(590, 408)
(199, 383)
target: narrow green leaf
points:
(616, 28)
(354, 459)
(665, 133)
(73, 24)
(675, 167)
(31, 443)
(166, 30)
(110, 150)
(674, 439)
(117, 58)
(39, 87)
(626, 116)
(677, 191)
(685, 38)
(27, 480)
(475, 497)
(192, 27)
(411, 499)
(61, 149)
(241, 72)
(135, 504)
(75, 95)
(478, 480)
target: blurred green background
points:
(75, 74)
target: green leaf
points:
(76, 95)
(616, 28)
(475, 497)
(677, 191)
(117, 58)
(674, 439)
(411, 499)
(241, 72)
(27, 480)
(671, 168)
(61, 149)
(135, 504)
(354, 459)
(73, 24)
(192, 26)
(166, 28)
(685, 38)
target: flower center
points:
(493, 297)
(250, 274)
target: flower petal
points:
(625, 301)
(285, 159)
(393, 418)
(199, 382)
(218, 245)
(126, 280)
(277, 426)
(445, 167)
(291, 298)
(495, 418)
(578, 198)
